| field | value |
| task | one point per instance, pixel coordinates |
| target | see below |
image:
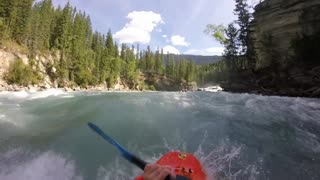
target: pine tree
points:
(109, 44)
(123, 52)
(232, 47)
(149, 60)
(62, 41)
(19, 19)
(170, 66)
(190, 72)
(116, 50)
(157, 65)
(46, 17)
(142, 61)
(242, 11)
(162, 67)
(181, 70)
(138, 52)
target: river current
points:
(44, 135)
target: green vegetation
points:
(86, 58)
(238, 55)
(22, 74)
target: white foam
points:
(19, 94)
(49, 166)
(212, 89)
(5, 119)
(35, 95)
(47, 93)
(67, 96)
(117, 170)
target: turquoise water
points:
(236, 136)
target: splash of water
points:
(16, 164)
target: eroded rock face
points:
(277, 23)
(7, 57)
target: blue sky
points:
(175, 25)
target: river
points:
(44, 135)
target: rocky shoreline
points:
(36, 88)
(233, 88)
(294, 82)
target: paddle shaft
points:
(126, 154)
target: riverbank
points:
(36, 88)
(293, 82)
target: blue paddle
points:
(126, 154)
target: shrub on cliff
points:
(22, 74)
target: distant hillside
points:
(200, 60)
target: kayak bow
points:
(125, 153)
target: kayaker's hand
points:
(157, 172)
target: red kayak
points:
(184, 164)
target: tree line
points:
(238, 54)
(84, 57)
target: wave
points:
(5, 119)
(220, 162)
(48, 93)
(15, 95)
(27, 95)
(15, 165)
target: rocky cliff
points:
(285, 36)
(7, 56)
(277, 23)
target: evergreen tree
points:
(162, 67)
(137, 52)
(231, 46)
(190, 72)
(85, 57)
(170, 66)
(109, 44)
(123, 52)
(149, 60)
(242, 11)
(19, 19)
(181, 70)
(116, 50)
(142, 61)
(46, 16)
(157, 65)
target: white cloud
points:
(206, 52)
(164, 36)
(171, 50)
(141, 24)
(178, 40)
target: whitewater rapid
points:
(236, 136)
